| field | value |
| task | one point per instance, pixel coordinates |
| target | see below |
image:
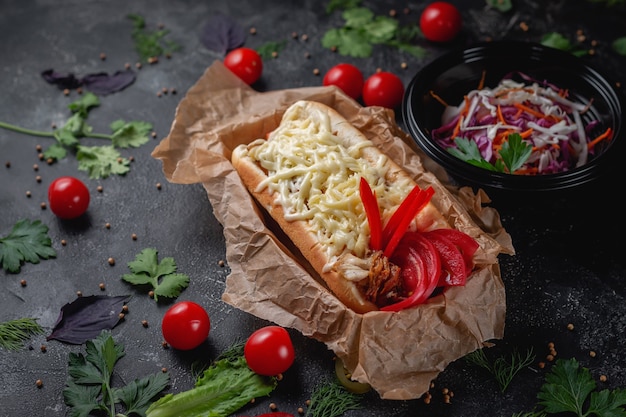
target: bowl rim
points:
(534, 52)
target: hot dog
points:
(307, 173)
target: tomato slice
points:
(453, 271)
(464, 242)
(420, 269)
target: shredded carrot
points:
(464, 112)
(439, 99)
(527, 171)
(530, 110)
(606, 135)
(526, 133)
(500, 116)
(481, 84)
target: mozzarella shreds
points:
(317, 180)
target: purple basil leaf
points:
(84, 318)
(102, 83)
(62, 81)
(222, 34)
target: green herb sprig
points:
(89, 387)
(150, 44)
(363, 29)
(570, 388)
(502, 369)
(331, 399)
(28, 241)
(97, 161)
(14, 333)
(513, 154)
(162, 277)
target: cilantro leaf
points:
(84, 104)
(267, 49)
(101, 161)
(558, 41)
(130, 134)
(162, 277)
(341, 5)
(89, 382)
(27, 242)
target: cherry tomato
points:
(347, 77)
(383, 89)
(246, 63)
(269, 351)
(68, 197)
(185, 325)
(440, 21)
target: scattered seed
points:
(127, 66)
(99, 188)
(107, 225)
(165, 345)
(592, 353)
(131, 159)
(151, 294)
(273, 406)
(66, 92)
(38, 148)
(393, 12)
(43, 206)
(125, 308)
(23, 283)
(133, 236)
(164, 369)
(39, 383)
(102, 286)
(144, 323)
(446, 399)
(28, 194)
(279, 377)
(252, 31)
(220, 262)
(121, 316)
(308, 402)
(111, 261)
(36, 167)
(49, 161)
(570, 326)
(603, 378)
(38, 178)
(103, 56)
(79, 293)
(153, 134)
(316, 71)
(158, 185)
(406, 10)
(172, 90)
(138, 65)
(274, 54)
(541, 365)
(7, 164)
(44, 348)
(524, 26)
(404, 65)
(40, 156)
(307, 55)
(153, 60)
(333, 48)
(294, 35)
(304, 37)
(549, 358)
(300, 410)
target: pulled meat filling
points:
(383, 285)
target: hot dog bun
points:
(306, 176)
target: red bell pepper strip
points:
(420, 266)
(394, 221)
(464, 242)
(406, 212)
(372, 211)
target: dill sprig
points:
(14, 333)
(502, 369)
(331, 399)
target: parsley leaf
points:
(101, 161)
(513, 154)
(569, 387)
(363, 29)
(89, 388)
(162, 277)
(27, 242)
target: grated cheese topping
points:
(316, 180)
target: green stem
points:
(26, 131)
(47, 134)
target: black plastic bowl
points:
(456, 73)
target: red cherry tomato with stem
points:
(347, 77)
(440, 21)
(269, 351)
(185, 325)
(68, 197)
(246, 63)
(383, 89)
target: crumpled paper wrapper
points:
(399, 354)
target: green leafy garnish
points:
(162, 277)
(558, 41)
(341, 5)
(14, 333)
(267, 49)
(149, 44)
(27, 242)
(570, 388)
(98, 161)
(513, 154)
(500, 5)
(89, 388)
(502, 369)
(225, 387)
(363, 29)
(331, 399)
(619, 45)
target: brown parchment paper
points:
(399, 354)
